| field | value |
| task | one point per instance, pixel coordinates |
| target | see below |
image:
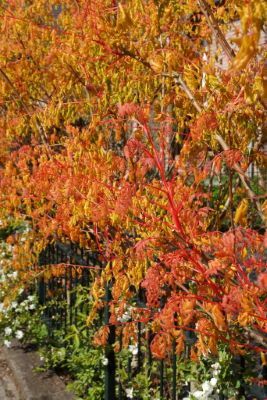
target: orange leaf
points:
(218, 318)
(101, 336)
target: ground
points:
(8, 389)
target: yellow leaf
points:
(244, 319)
(171, 59)
(247, 50)
(241, 213)
(191, 76)
(252, 16)
(244, 252)
(264, 209)
(124, 19)
(156, 63)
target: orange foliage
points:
(118, 129)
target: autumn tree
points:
(122, 131)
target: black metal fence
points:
(65, 268)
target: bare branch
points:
(214, 26)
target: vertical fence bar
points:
(54, 309)
(242, 373)
(41, 282)
(174, 364)
(174, 371)
(66, 298)
(49, 310)
(42, 291)
(120, 385)
(264, 376)
(161, 377)
(76, 282)
(70, 287)
(149, 339)
(139, 337)
(110, 368)
(161, 369)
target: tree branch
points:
(214, 26)
(178, 80)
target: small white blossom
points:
(31, 298)
(213, 382)
(8, 331)
(7, 343)
(124, 318)
(14, 304)
(105, 361)
(134, 362)
(32, 306)
(206, 386)
(19, 334)
(133, 349)
(198, 394)
(5, 310)
(129, 393)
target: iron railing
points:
(67, 266)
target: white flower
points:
(5, 310)
(198, 394)
(31, 298)
(213, 382)
(133, 349)
(8, 331)
(32, 306)
(206, 386)
(19, 334)
(7, 343)
(134, 362)
(14, 304)
(129, 393)
(15, 274)
(216, 366)
(105, 361)
(124, 318)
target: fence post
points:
(110, 368)
(41, 291)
